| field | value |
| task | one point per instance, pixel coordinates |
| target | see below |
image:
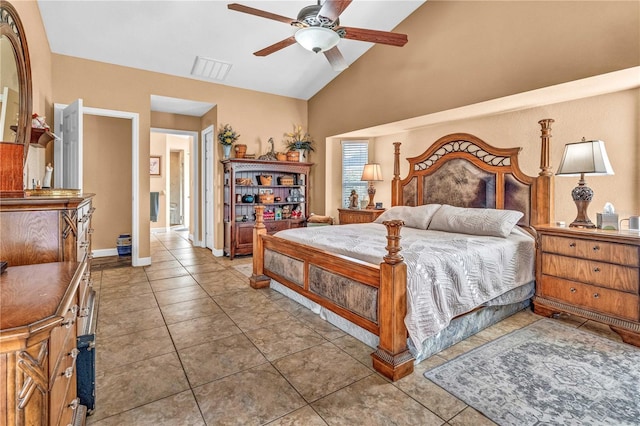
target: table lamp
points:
(579, 159)
(371, 173)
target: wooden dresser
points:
(346, 216)
(38, 330)
(43, 231)
(594, 274)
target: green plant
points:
(226, 135)
(298, 139)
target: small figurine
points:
(47, 176)
(353, 200)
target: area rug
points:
(548, 374)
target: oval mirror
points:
(15, 78)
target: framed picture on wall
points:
(154, 166)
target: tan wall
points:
(612, 118)
(107, 173)
(256, 116)
(464, 52)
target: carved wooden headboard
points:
(462, 170)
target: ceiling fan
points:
(319, 30)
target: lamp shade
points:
(588, 157)
(317, 39)
(372, 172)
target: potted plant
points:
(227, 137)
(299, 141)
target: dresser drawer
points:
(617, 277)
(611, 302)
(593, 250)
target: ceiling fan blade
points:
(276, 46)
(333, 8)
(335, 58)
(375, 36)
(261, 13)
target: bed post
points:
(392, 359)
(396, 189)
(543, 208)
(258, 279)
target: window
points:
(355, 154)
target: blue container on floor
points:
(124, 245)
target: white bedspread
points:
(448, 273)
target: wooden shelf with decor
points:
(283, 187)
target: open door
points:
(67, 155)
(207, 137)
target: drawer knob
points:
(596, 295)
(74, 404)
(572, 290)
(596, 269)
(74, 353)
(596, 248)
(68, 372)
(572, 244)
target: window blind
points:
(355, 154)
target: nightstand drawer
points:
(615, 303)
(615, 277)
(592, 250)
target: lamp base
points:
(582, 220)
(371, 190)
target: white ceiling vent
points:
(210, 68)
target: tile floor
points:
(186, 341)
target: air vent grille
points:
(210, 68)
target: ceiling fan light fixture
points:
(317, 39)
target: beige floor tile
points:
(138, 383)
(162, 264)
(195, 259)
(283, 338)
(245, 298)
(161, 255)
(320, 370)
(320, 326)
(125, 290)
(116, 351)
(430, 395)
(220, 276)
(305, 416)
(179, 409)
(352, 406)
(254, 317)
(223, 357)
(203, 329)
(166, 273)
(462, 347)
(355, 348)
(126, 305)
(123, 276)
(172, 283)
(190, 309)
(212, 266)
(251, 397)
(167, 297)
(470, 416)
(127, 323)
(216, 287)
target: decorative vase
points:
(303, 154)
(226, 151)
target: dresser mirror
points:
(15, 78)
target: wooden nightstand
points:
(594, 274)
(346, 216)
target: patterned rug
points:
(548, 373)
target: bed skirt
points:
(459, 329)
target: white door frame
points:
(208, 209)
(135, 178)
(195, 189)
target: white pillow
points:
(490, 222)
(414, 217)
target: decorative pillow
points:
(414, 217)
(490, 222)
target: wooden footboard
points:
(370, 296)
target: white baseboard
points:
(217, 252)
(142, 261)
(105, 252)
